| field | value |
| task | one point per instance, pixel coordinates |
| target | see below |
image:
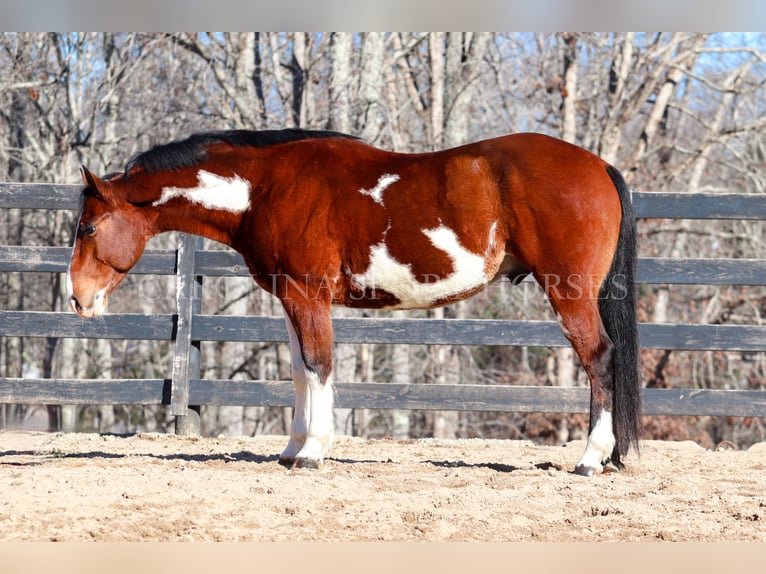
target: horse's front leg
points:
(309, 326)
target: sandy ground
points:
(71, 487)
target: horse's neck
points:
(197, 221)
(197, 201)
(212, 208)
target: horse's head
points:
(110, 237)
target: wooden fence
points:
(188, 326)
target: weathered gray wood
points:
(650, 270)
(698, 205)
(220, 263)
(56, 260)
(703, 337)
(85, 391)
(701, 271)
(646, 204)
(69, 325)
(188, 424)
(384, 331)
(705, 402)
(185, 360)
(478, 332)
(499, 398)
(34, 258)
(230, 263)
(393, 331)
(39, 196)
(399, 396)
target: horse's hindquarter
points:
(557, 199)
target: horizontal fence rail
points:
(188, 326)
(211, 263)
(646, 204)
(470, 397)
(489, 332)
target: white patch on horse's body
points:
(396, 278)
(312, 429)
(376, 193)
(213, 192)
(491, 240)
(601, 443)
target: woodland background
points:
(681, 112)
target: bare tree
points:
(674, 111)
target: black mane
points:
(192, 150)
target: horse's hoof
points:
(584, 470)
(301, 462)
(286, 461)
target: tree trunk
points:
(436, 49)
(341, 83)
(618, 76)
(370, 109)
(664, 95)
(565, 357)
(464, 54)
(298, 70)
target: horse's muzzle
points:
(95, 310)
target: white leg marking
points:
(299, 427)
(601, 443)
(312, 430)
(394, 277)
(376, 193)
(321, 424)
(213, 192)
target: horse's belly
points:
(392, 284)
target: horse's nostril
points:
(74, 303)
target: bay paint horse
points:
(324, 219)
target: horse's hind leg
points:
(578, 313)
(309, 326)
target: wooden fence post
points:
(186, 353)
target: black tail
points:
(617, 305)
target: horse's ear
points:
(98, 186)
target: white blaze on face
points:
(396, 278)
(69, 286)
(376, 193)
(213, 192)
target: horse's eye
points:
(89, 230)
